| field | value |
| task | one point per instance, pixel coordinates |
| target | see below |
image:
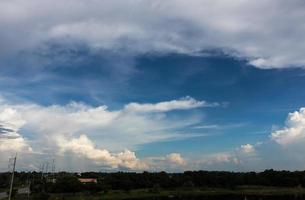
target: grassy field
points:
(181, 192)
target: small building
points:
(87, 180)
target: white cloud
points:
(175, 158)
(215, 161)
(210, 126)
(288, 142)
(220, 126)
(13, 145)
(247, 148)
(220, 158)
(81, 135)
(59, 130)
(270, 39)
(171, 162)
(112, 129)
(10, 139)
(181, 104)
(83, 146)
(294, 131)
(11, 119)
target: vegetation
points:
(124, 185)
(256, 193)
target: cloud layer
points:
(266, 33)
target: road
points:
(3, 195)
(24, 190)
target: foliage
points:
(67, 184)
(40, 196)
(14, 192)
(157, 181)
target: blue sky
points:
(154, 89)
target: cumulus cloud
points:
(294, 131)
(247, 148)
(215, 161)
(175, 158)
(171, 162)
(271, 39)
(15, 145)
(249, 157)
(108, 139)
(112, 129)
(244, 158)
(226, 157)
(10, 139)
(95, 133)
(85, 147)
(287, 141)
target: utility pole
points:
(42, 168)
(53, 170)
(53, 166)
(47, 168)
(29, 189)
(12, 179)
(29, 186)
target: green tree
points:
(67, 184)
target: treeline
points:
(20, 178)
(201, 179)
(68, 182)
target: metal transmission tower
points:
(12, 178)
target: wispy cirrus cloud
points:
(181, 104)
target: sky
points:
(152, 85)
